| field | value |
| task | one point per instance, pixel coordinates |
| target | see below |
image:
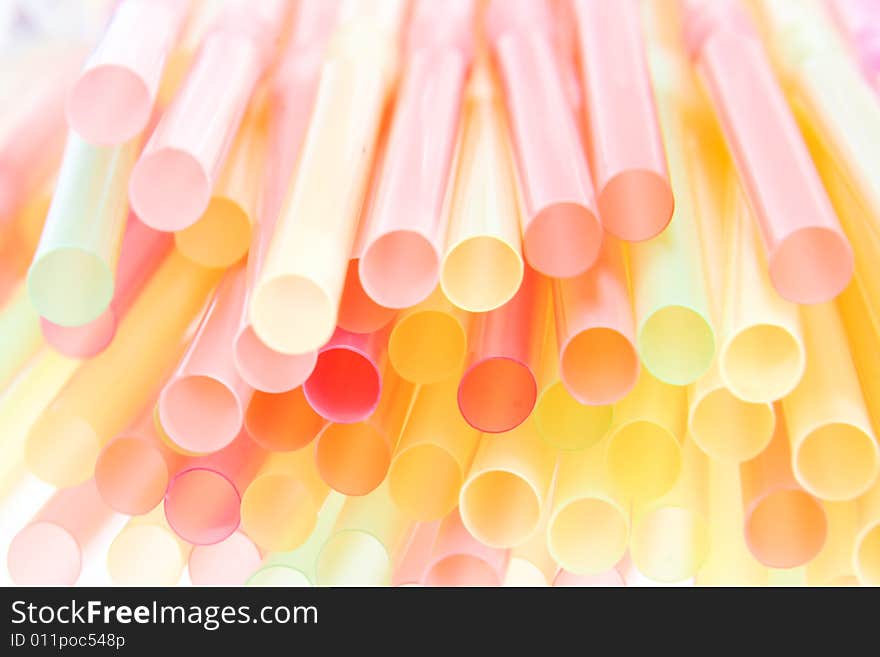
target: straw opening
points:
(762, 363)
(399, 269)
(563, 240)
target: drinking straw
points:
(863, 331)
(282, 422)
(598, 363)
(49, 550)
(724, 426)
(297, 567)
(354, 458)
(295, 300)
(531, 563)
(222, 234)
(433, 455)
(482, 265)
(589, 525)
(71, 278)
(147, 552)
(785, 527)
(429, 341)
(203, 500)
(111, 100)
(857, 20)
(499, 386)
(634, 194)
(610, 578)
(19, 334)
(866, 555)
(98, 402)
(369, 533)
(400, 262)
(143, 249)
(560, 419)
(458, 559)
(133, 469)
(409, 569)
(279, 508)
(809, 258)
(643, 451)
(562, 233)
(729, 562)
(675, 331)
(227, 563)
(834, 565)
(21, 405)
(501, 499)
(202, 405)
(358, 313)
(834, 449)
(171, 184)
(346, 383)
(670, 535)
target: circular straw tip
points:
(168, 189)
(812, 265)
(70, 286)
(200, 413)
(292, 315)
(636, 205)
(399, 269)
(44, 554)
(563, 240)
(109, 105)
(497, 394)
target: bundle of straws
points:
(368, 292)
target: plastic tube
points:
(834, 449)
(358, 313)
(857, 20)
(71, 278)
(501, 499)
(112, 98)
(49, 550)
(458, 559)
(433, 455)
(598, 362)
(409, 569)
(354, 458)
(429, 341)
(227, 563)
(834, 565)
(589, 525)
(499, 386)
(282, 422)
(531, 563)
(279, 508)
(143, 249)
(202, 405)
(809, 257)
(643, 451)
(400, 262)
(482, 265)
(147, 552)
(98, 402)
(19, 333)
(295, 300)
(562, 233)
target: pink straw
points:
(561, 230)
(142, 250)
(227, 563)
(860, 21)
(458, 559)
(171, 183)
(809, 257)
(410, 569)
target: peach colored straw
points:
(282, 422)
(634, 194)
(482, 265)
(143, 249)
(409, 569)
(112, 98)
(133, 469)
(429, 341)
(834, 450)
(499, 386)
(346, 383)
(98, 403)
(458, 559)
(292, 96)
(295, 300)
(354, 458)
(49, 550)
(433, 455)
(809, 258)
(147, 552)
(400, 263)
(227, 563)
(279, 508)
(202, 405)
(598, 362)
(643, 451)
(203, 498)
(562, 233)
(502, 497)
(171, 183)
